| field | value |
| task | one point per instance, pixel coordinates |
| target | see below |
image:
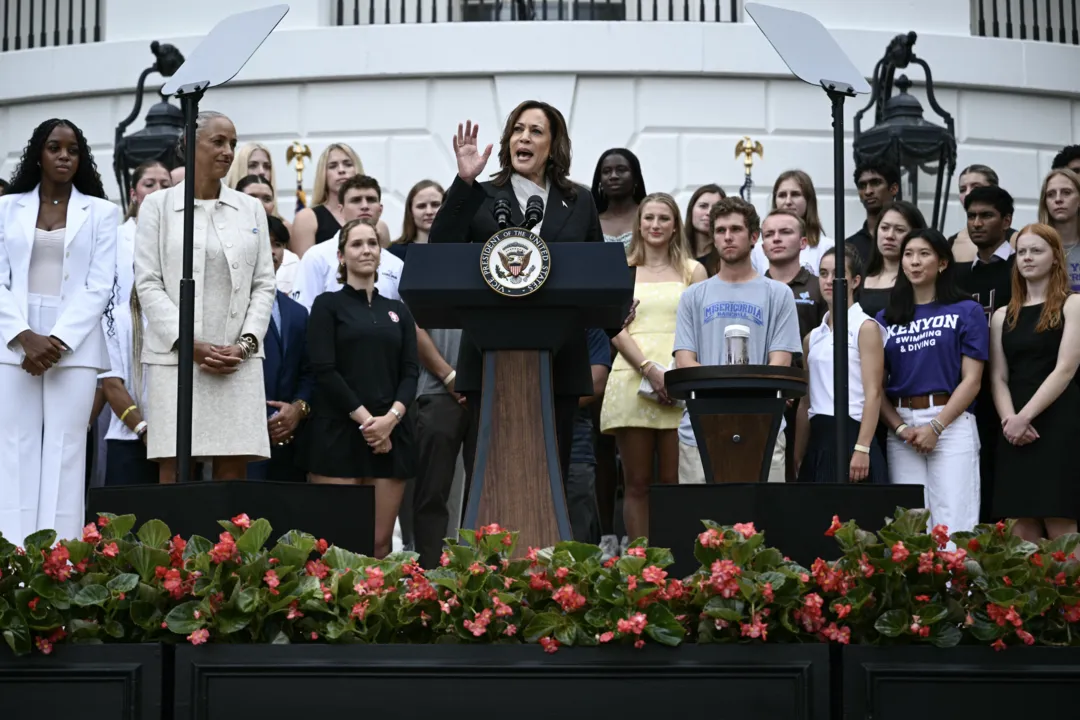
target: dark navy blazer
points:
(287, 375)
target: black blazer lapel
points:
(556, 214)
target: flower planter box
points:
(890, 683)
(764, 682)
(89, 682)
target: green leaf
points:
(893, 623)
(78, 550)
(580, 552)
(777, 579)
(54, 592)
(248, 600)
(930, 614)
(155, 533)
(118, 527)
(114, 629)
(743, 551)
(197, 545)
(17, 635)
(985, 631)
(335, 629)
(338, 559)
(123, 583)
(543, 625)
(145, 559)
(181, 619)
(91, 595)
(660, 557)
(631, 565)
(41, 540)
(597, 618)
(145, 615)
(663, 627)
(768, 559)
(945, 636)
(1003, 596)
(229, 621)
(254, 537)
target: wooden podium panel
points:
(735, 445)
(517, 480)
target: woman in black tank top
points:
(327, 225)
(322, 220)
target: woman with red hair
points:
(1035, 350)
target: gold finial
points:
(298, 151)
(747, 147)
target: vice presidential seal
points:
(515, 262)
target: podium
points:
(517, 479)
(735, 411)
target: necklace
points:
(658, 268)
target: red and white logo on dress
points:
(393, 315)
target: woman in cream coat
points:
(57, 258)
(234, 296)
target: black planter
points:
(88, 682)
(224, 682)
(890, 683)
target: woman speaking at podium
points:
(534, 159)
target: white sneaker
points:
(609, 544)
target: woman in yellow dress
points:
(646, 427)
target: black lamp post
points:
(901, 136)
(164, 125)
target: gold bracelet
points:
(305, 409)
(900, 428)
(127, 412)
(644, 364)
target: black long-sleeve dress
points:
(362, 354)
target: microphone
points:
(502, 212)
(534, 212)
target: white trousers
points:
(692, 472)
(949, 474)
(43, 426)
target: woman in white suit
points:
(234, 297)
(57, 260)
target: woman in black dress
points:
(363, 352)
(1035, 351)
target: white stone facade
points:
(678, 94)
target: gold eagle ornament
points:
(748, 148)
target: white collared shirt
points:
(319, 268)
(1004, 252)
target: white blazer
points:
(89, 269)
(159, 255)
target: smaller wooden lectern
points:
(735, 411)
(517, 481)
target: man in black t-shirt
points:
(878, 183)
(989, 279)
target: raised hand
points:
(470, 161)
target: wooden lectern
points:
(517, 481)
(735, 411)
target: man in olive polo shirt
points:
(783, 236)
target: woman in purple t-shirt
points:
(937, 341)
